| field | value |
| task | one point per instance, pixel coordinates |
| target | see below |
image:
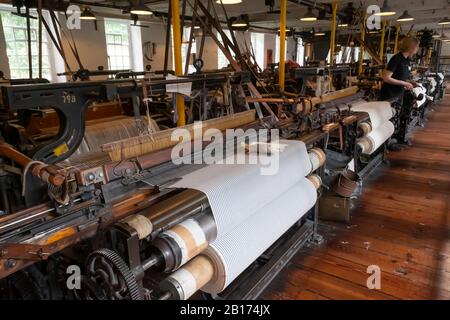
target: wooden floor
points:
(400, 223)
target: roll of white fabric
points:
(376, 138)
(236, 191)
(233, 252)
(433, 84)
(420, 90)
(379, 112)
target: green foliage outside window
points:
(15, 31)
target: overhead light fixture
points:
(405, 17)
(343, 25)
(444, 38)
(318, 32)
(444, 21)
(228, 1)
(386, 10)
(240, 23)
(435, 35)
(87, 14)
(309, 16)
(141, 9)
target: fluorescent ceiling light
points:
(444, 21)
(141, 9)
(309, 16)
(386, 10)
(87, 14)
(229, 1)
(405, 17)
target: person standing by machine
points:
(398, 71)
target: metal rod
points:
(39, 9)
(191, 39)
(165, 296)
(30, 58)
(150, 262)
(168, 31)
(168, 213)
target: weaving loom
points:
(170, 231)
(380, 129)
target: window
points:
(257, 40)
(222, 61)
(277, 49)
(300, 52)
(184, 49)
(346, 54)
(118, 44)
(15, 30)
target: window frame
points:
(129, 45)
(254, 37)
(220, 55)
(47, 44)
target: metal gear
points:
(89, 290)
(112, 274)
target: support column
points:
(333, 33)
(361, 48)
(176, 28)
(282, 65)
(383, 35)
(397, 31)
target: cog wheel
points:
(89, 290)
(108, 270)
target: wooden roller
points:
(315, 180)
(137, 146)
(335, 95)
(48, 173)
(187, 280)
(364, 128)
(317, 158)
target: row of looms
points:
(87, 176)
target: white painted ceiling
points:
(426, 12)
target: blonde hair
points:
(407, 43)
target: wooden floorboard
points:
(400, 223)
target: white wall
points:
(269, 44)
(156, 34)
(91, 45)
(210, 53)
(445, 51)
